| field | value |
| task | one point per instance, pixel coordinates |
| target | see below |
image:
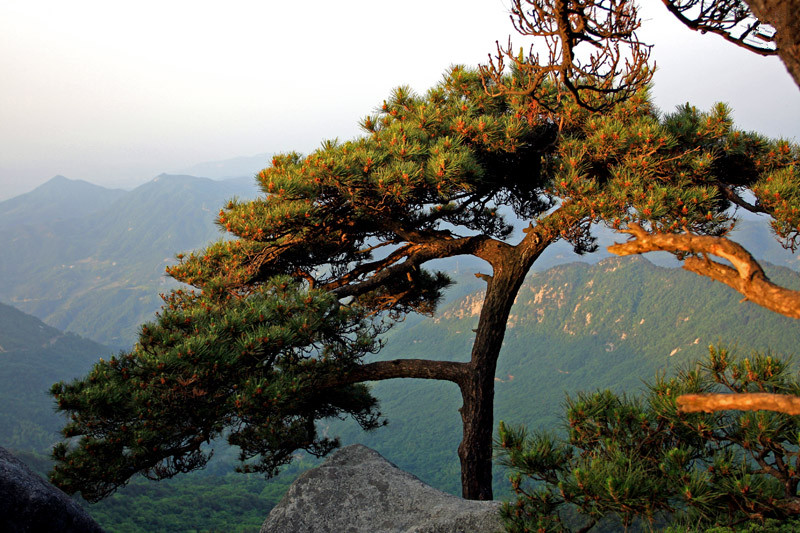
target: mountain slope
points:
(99, 275)
(33, 356)
(575, 327)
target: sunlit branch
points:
(746, 276)
(692, 403)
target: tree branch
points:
(416, 254)
(727, 18)
(401, 368)
(610, 71)
(747, 277)
(766, 27)
(412, 368)
(782, 15)
(708, 403)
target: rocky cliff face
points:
(358, 491)
(29, 504)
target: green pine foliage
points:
(639, 458)
(354, 224)
(251, 368)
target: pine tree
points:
(642, 458)
(353, 225)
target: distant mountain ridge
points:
(57, 199)
(22, 332)
(229, 168)
(98, 272)
(91, 260)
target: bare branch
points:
(708, 403)
(731, 19)
(610, 68)
(765, 27)
(746, 276)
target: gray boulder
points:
(358, 491)
(29, 504)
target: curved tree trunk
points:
(510, 264)
(475, 378)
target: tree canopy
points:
(336, 247)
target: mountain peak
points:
(178, 177)
(58, 198)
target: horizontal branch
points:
(716, 22)
(747, 277)
(756, 401)
(403, 368)
(412, 368)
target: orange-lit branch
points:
(693, 403)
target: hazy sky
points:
(115, 93)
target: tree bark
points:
(754, 401)
(409, 368)
(784, 16)
(475, 379)
(510, 265)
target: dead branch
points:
(746, 276)
(766, 27)
(594, 53)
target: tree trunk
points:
(477, 391)
(475, 378)
(784, 16)
(475, 450)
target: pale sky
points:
(115, 93)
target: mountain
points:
(614, 324)
(229, 168)
(33, 356)
(99, 273)
(91, 260)
(574, 327)
(56, 200)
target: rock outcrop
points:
(358, 491)
(30, 504)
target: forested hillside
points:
(575, 327)
(95, 267)
(32, 357)
(578, 326)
